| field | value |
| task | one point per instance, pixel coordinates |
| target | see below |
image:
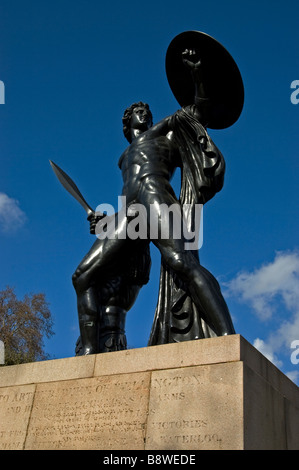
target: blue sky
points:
(70, 68)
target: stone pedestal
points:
(217, 393)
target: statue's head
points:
(137, 116)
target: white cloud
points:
(12, 218)
(272, 291)
(261, 287)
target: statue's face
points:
(141, 119)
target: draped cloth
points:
(202, 171)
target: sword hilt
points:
(97, 218)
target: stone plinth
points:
(217, 393)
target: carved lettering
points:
(193, 408)
(102, 413)
(177, 381)
(180, 424)
(15, 408)
(191, 439)
(172, 396)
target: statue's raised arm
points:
(193, 64)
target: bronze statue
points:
(107, 281)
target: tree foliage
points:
(23, 325)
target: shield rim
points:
(226, 96)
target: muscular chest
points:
(145, 151)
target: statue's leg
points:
(201, 284)
(88, 313)
(155, 195)
(119, 296)
(89, 308)
(112, 335)
(101, 263)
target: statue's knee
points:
(183, 265)
(177, 264)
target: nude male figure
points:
(104, 295)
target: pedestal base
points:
(217, 393)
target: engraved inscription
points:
(98, 413)
(179, 380)
(193, 408)
(15, 407)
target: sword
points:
(71, 187)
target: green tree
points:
(23, 325)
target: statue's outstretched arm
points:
(193, 63)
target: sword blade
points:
(71, 187)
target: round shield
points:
(222, 80)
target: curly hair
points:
(127, 118)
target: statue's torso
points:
(151, 154)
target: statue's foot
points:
(84, 350)
(113, 342)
